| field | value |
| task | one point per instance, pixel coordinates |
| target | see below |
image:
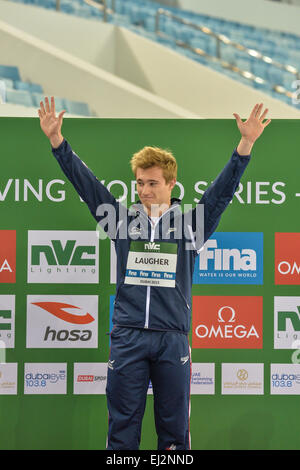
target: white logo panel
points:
(242, 379)
(286, 322)
(90, 378)
(8, 378)
(62, 321)
(285, 379)
(203, 379)
(7, 320)
(65, 257)
(45, 379)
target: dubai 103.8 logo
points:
(63, 257)
(230, 258)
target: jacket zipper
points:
(149, 287)
(153, 227)
(182, 296)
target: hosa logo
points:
(227, 322)
(57, 309)
(62, 322)
(287, 258)
(152, 246)
(286, 322)
(231, 258)
(7, 256)
(62, 257)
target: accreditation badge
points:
(151, 264)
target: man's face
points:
(152, 188)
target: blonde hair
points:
(155, 156)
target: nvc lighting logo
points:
(231, 258)
(63, 257)
(286, 322)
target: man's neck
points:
(157, 210)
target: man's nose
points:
(145, 190)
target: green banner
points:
(57, 285)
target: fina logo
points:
(243, 260)
(231, 258)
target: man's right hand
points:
(50, 124)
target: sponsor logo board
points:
(287, 258)
(7, 256)
(242, 379)
(45, 378)
(62, 321)
(8, 378)
(286, 322)
(7, 320)
(285, 379)
(65, 257)
(230, 258)
(227, 322)
(203, 379)
(90, 378)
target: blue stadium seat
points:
(31, 87)
(21, 97)
(9, 84)
(8, 71)
(2, 92)
(274, 76)
(139, 17)
(228, 54)
(38, 97)
(76, 107)
(260, 69)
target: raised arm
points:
(219, 194)
(102, 204)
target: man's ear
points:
(172, 183)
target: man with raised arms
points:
(152, 309)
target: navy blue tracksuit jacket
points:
(152, 311)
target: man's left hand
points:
(252, 128)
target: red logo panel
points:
(227, 322)
(287, 258)
(7, 256)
